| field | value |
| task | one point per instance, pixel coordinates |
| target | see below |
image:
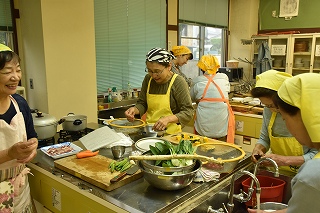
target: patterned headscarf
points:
(159, 55)
(302, 91)
(4, 48)
(271, 79)
(182, 50)
(209, 64)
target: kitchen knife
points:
(133, 169)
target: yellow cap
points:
(4, 48)
(271, 79)
(209, 64)
(302, 91)
(181, 50)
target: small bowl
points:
(118, 151)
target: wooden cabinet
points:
(60, 196)
(248, 128)
(294, 53)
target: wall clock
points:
(289, 8)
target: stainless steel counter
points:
(137, 196)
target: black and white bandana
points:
(158, 54)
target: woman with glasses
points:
(164, 95)
(274, 135)
(18, 142)
(214, 117)
(298, 103)
(182, 55)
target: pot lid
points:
(43, 119)
(73, 117)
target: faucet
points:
(256, 167)
(242, 197)
(275, 165)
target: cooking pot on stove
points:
(73, 122)
(45, 125)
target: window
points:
(6, 33)
(125, 31)
(201, 40)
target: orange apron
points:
(287, 146)
(231, 118)
(14, 186)
(159, 106)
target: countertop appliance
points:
(234, 74)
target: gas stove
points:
(46, 142)
(70, 136)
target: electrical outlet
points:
(31, 83)
(274, 13)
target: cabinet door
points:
(316, 61)
(301, 54)
(279, 50)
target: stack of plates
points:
(144, 143)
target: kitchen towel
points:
(206, 175)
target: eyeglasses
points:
(156, 73)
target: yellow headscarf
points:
(181, 50)
(302, 91)
(4, 48)
(271, 79)
(209, 64)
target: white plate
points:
(76, 149)
(143, 144)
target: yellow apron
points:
(317, 156)
(14, 186)
(231, 117)
(159, 106)
(287, 146)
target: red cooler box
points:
(271, 190)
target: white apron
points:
(14, 186)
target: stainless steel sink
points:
(218, 196)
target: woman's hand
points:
(161, 124)
(279, 159)
(24, 151)
(257, 152)
(129, 113)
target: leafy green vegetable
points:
(154, 150)
(165, 148)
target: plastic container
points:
(271, 190)
(232, 63)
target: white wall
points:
(58, 42)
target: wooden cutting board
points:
(94, 170)
(173, 138)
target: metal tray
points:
(75, 150)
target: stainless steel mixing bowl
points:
(150, 166)
(272, 206)
(170, 182)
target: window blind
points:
(212, 12)
(125, 31)
(5, 16)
